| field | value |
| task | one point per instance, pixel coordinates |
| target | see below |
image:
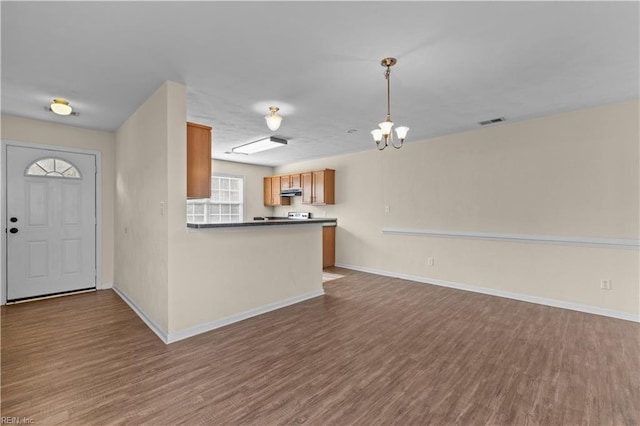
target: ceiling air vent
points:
(492, 121)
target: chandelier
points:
(384, 130)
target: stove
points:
(299, 215)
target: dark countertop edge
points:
(262, 223)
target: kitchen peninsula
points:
(238, 270)
(295, 218)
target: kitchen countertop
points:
(326, 221)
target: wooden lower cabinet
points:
(328, 246)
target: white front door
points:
(51, 222)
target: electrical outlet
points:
(430, 261)
(387, 209)
(605, 284)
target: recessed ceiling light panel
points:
(259, 145)
(491, 121)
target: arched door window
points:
(53, 167)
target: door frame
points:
(3, 206)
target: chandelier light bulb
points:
(377, 135)
(386, 126)
(273, 119)
(401, 132)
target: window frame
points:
(53, 173)
(207, 201)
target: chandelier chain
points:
(387, 74)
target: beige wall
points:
(181, 278)
(216, 274)
(141, 260)
(254, 197)
(40, 132)
(570, 175)
(219, 273)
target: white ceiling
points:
(458, 63)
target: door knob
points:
(13, 220)
(13, 230)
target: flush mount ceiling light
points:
(273, 119)
(384, 130)
(259, 145)
(61, 107)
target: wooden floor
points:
(373, 350)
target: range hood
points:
(290, 192)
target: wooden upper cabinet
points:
(307, 187)
(322, 187)
(268, 191)
(318, 187)
(290, 181)
(317, 193)
(294, 181)
(275, 190)
(198, 161)
(285, 182)
(272, 187)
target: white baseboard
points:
(150, 323)
(104, 286)
(203, 328)
(500, 293)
